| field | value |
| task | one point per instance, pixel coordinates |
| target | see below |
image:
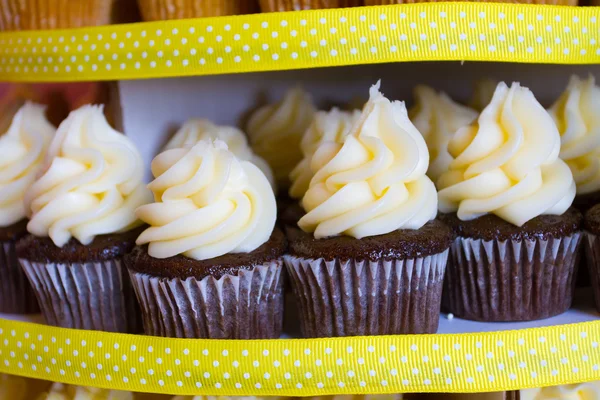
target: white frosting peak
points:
(374, 182)
(580, 391)
(507, 163)
(207, 203)
(577, 116)
(91, 181)
(22, 150)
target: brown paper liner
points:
(356, 298)
(92, 295)
(541, 2)
(53, 14)
(16, 294)
(297, 5)
(511, 280)
(156, 10)
(248, 305)
(592, 256)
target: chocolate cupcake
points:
(437, 117)
(22, 149)
(577, 116)
(591, 240)
(370, 258)
(209, 265)
(82, 215)
(506, 196)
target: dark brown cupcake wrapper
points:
(356, 298)
(92, 295)
(16, 294)
(592, 256)
(248, 305)
(511, 280)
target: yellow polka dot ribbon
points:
(303, 367)
(308, 39)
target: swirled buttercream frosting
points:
(577, 116)
(207, 203)
(22, 150)
(507, 163)
(374, 182)
(276, 130)
(90, 184)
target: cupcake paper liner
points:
(53, 14)
(156, 10)
(248, 305)
(16, 294)
(511, 280)
(357, 297)
(91, 295)
(592, 256)
(296, 5)
(541, 2)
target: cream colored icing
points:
(581, 391)
(438, 117)
(22, 150)
(61, 391)
(374, 182)
(507, 163)
(577, 116)
(195, 130)
(482, 95)
(327, 126)
(90, 184)
(207, 203)
(276, 130)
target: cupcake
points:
(298, 5)
(327, 126)
(82, 222)
(60, 391)
(578, 391)
(156, 10)
(195, 130)
(592, 250)
(369, 258)
(482, 95)
(22, 149)
(507, 195)
(577, 116)
(209, 265)
(276, 130)
(437, 117)
(54, 14)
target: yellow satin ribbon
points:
(307, 39)
(482, 362)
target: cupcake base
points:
(523, 274)
(378, 285)
(592, 254)
(82, 287)
(234, 296)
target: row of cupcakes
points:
(28, 15)
(369, 256)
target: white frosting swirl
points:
(507, 163)
(91, 182)
(577, 116)
(60, 391)
(327, 126)
(482, 95)
(207, 203)
(275, 132)
(374, 183)
(22, 150)
(195, 130)
(581, 391)
(438, 117)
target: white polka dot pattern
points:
(381, 364)
(277, 41)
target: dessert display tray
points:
(308, 39)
